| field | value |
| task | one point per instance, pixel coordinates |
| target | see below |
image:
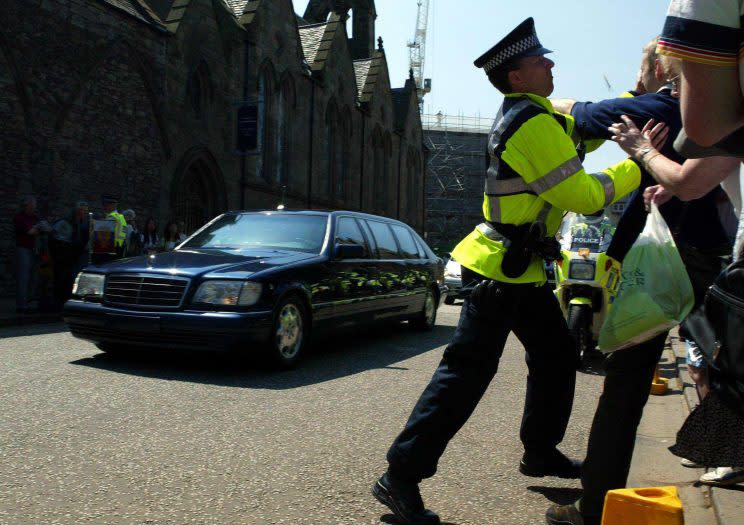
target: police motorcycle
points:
(585, 280)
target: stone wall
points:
(102, 96)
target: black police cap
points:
(521, 42)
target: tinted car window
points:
(427, 253)
(386, 247)
(348, 232)
(408, 247)
(301, 233)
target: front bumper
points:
(193, 330)
(454, 287)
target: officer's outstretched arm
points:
(546, 157)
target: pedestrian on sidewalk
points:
(27, 228)
(170, 237)
(149, 238)
(535, 174)
(69, 249)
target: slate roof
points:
(310, 37)
(367, 88)
(137, 9)
(361, 70)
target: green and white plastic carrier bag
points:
(655, 292)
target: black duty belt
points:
(522, 242)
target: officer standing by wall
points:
(110, 203)
(535, 174)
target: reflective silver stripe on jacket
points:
(554, 177)
(495, 208)
(608, 185)
(489, 232)
(496, 186)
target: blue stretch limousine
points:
(251, 281)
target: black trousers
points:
(627, 385)
(469, 364)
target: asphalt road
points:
(171, 439)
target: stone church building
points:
(187, 108)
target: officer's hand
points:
(485, 295)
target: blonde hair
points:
(649, 53)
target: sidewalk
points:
(9, 317)
(653, 465)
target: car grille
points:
(145, 290)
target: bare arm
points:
(687, 181)
(711, 102)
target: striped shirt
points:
(705, 31)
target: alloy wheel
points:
(289, 331)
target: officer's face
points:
(535, 75)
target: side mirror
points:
(348, 251)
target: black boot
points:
(404, 499)
(568, 515)
(552, 463)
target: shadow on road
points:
(392, 520)
(328, 359)
(559, 495)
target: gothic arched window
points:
(199, 89)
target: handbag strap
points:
(700, 329)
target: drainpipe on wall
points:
(246, 62)
(310, 147)
(400, 155)
(361, 167)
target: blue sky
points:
(590, 39)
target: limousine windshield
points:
(271, 231)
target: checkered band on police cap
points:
(512, 51)
(521, 41)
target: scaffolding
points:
(455, 173)
(456, 123)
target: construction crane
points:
(417, 52)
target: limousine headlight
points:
(228, 293)
(88, 285)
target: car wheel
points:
(289, 333)
(112, 348)
(449, 300)
(428, 316)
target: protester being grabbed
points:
(697, 227)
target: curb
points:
(21, 320)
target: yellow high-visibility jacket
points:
(120, 231)
(535, 175)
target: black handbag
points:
(718, 329)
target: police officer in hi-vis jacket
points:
(535, 175)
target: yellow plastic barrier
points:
(645, 506)
(659, 384)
